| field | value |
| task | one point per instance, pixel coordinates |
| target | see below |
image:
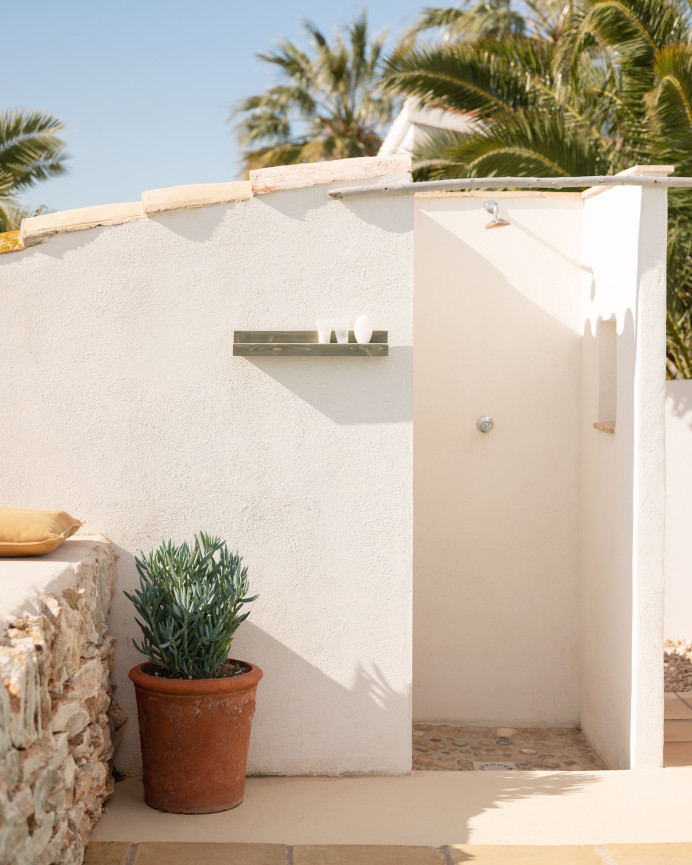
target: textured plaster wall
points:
(497, 319)
(124, 405)
(678, 559)
(623, 478)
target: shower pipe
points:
(515, 182)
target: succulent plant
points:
(189, 605)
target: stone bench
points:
(58, 720)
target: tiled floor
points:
(677, 747)
(443, 747)
(426, 808)
(116, 853)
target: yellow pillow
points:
(31, 532)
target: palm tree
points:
(325, 106)
(30, 150)
(587, 87)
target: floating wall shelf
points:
(304, 343)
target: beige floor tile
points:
(677, 731)
(191, 853)
(428, 808)
(506, 855)
(677, 754)
(675, 708)
(106, 853)
(361, 854)
(686, 696)
(650, 854)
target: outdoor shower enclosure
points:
(538, 545)
(535, 593)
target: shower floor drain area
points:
(489, 766)
(444, 747)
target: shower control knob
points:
(484, 424)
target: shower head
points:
(494, 208)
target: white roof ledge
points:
(395, 168)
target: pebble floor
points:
(444, 748)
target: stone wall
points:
(58, 720)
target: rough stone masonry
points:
(58, 719)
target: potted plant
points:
(195, 704)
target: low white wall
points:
(124, 405)
(678, 561)
(496, 549)
(622, 478)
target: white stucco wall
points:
(537, 594)
(498, 332)
(678, 560)
(123, 405)
(623, 480)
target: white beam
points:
(513, 183)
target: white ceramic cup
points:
(363, 329)
(324, 330)
(341, 329)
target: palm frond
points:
(449, 19)
(679, 301)
(473, 20)
(467, 78)
(327, 105)
(525, 143)
(634, 29)
(670, 106)
(11, 214)
(30, 149)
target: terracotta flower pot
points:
(195, 735)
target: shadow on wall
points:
(354, 390)
(61, 245)
(319, 742)
(624, 326)
(196, 224)
(538, 238)
(679, 398)
(298, 204)
(315, 746)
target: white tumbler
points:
(341, 329)
(324, 330)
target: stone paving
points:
(116, 853)
(444, 747)
(677, 666)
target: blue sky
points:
(146, 86)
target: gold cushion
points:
(31, 532)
